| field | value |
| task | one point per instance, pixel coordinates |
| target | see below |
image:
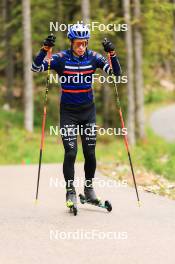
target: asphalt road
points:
(163, 122)
(48, 233)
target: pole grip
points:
(109, 60)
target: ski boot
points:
(91, 198)
(71, 199)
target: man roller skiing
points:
(77, 106)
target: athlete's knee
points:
(71, 154)
(90, 154)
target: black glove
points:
(49, 41)
(108, 46)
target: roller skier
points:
(77, 107)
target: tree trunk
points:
(85, 7)
(173, 2)
(130, 84)
(9, 67)
(59, 18)
(27, 56)
(139, 86)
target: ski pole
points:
(125, 136)
(43, 123)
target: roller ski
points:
(71, 199)
(90, 197)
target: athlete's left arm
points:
(115, 64)
(103, 64)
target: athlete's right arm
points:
(40, 64)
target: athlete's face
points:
(79, 46)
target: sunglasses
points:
(80, 43)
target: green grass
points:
(18, 146)
(156, 155)
(10, 119)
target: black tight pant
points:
(72, 122)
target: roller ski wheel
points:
(71, 200)
(72, 207)
(97, 202)
(108, 206)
